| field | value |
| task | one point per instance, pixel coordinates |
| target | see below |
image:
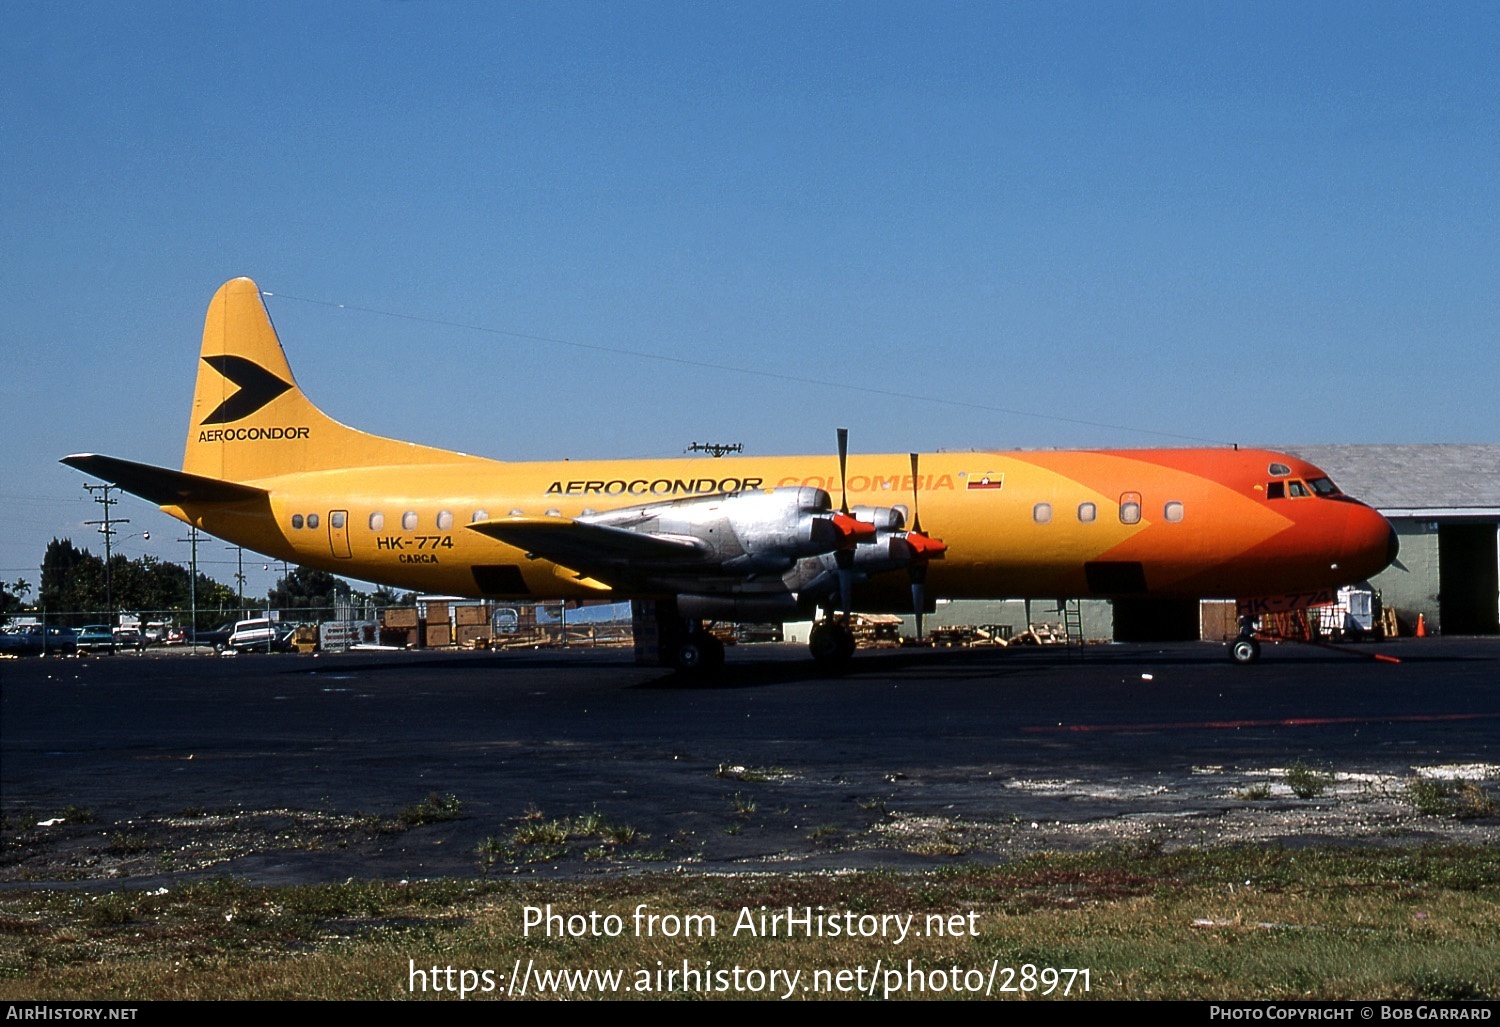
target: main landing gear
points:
(831, 642)
(698, 651)
(688, 647)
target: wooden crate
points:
(439, 636)
(469, 634)
(1217, 620)
(404, 617)
(468, 616)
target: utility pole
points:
(193, 580)
(106, 528)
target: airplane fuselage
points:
(1173, 523)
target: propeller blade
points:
(916, 481)
(843, 470)
(923, 548)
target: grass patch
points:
(1259, 792)
(541, 832)
(943, 845)
(1307, 782)
(1446, 797)
(432, 810)
(1227, 924)
(128, 843)
(536, 839)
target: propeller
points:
(843, 556)
(924, 549)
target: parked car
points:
(34, 640)
(129, 638)
(96, 638)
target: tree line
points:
(73, 589)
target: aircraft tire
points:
(699, 653)
(831, 644)
(1244, 651)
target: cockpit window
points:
(1324, 487)
(1276, 490)
(1278, 470)
(1296, 489)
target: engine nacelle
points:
(885, 518)
(742, 532)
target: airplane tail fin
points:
(250, 421)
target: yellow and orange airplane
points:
(741, 538)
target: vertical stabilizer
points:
(250, 420)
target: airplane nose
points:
(1370, 544)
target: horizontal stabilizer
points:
(160, 485)
(588, 547)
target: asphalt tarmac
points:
(299, 768)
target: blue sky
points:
(998, 224)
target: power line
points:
(732, 369)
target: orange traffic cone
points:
(1421, 626)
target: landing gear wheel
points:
(1244, 651)
(699, 653)
(831, 643)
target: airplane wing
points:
(597, 550)
(160, 485)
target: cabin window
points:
(1087, 512)
(297, 522)
(312, 520)
(336, 519)
(1296, 489)
(1276, 490)
(377, 521)
(1130, 508)
(479, 515)
(1173, 511)
(1042, 513)
(1278, 470)
(409, 520)
(444, 520)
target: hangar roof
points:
(1417, 479)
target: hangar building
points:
(1444, 501)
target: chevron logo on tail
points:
(257, 388)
